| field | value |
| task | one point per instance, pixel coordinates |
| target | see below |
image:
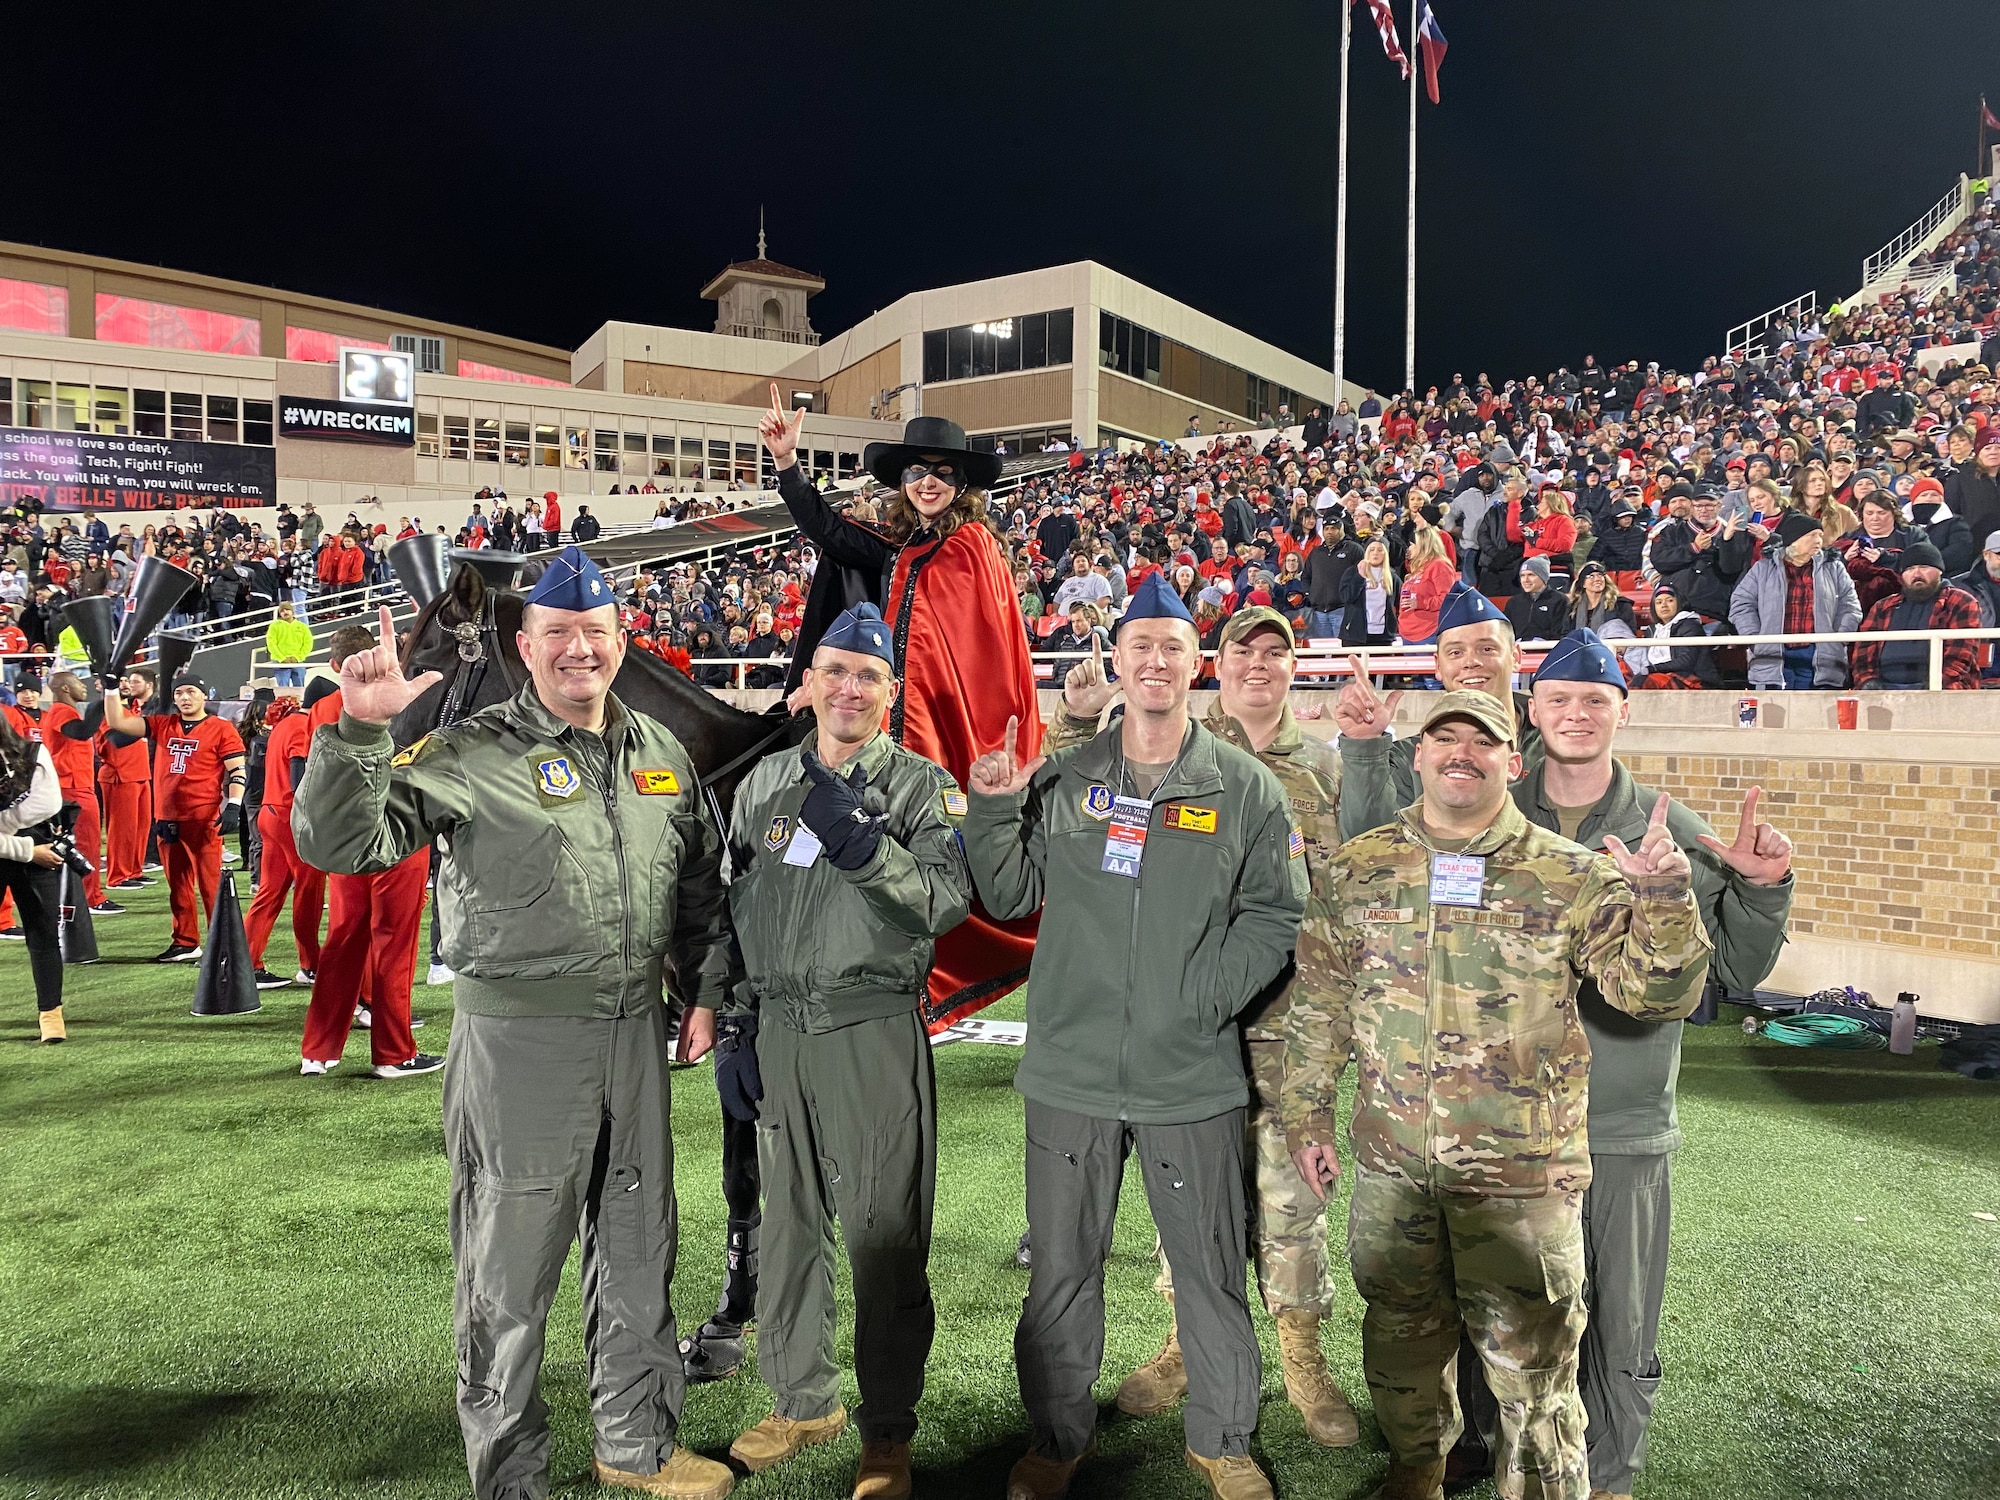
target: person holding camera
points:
(30, 868)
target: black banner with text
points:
(90, 471)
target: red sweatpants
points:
(89, 836)
(370, 954)
(279, 868)
(192, 860)
(128, 817)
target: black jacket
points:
(1975, 496)
(1696, 661)
(1499, 558)
(1541, 616)
(1705, 576)
(1948, 532)
(1353, 599)
(1327, 567)
(1619, 548)
(1984, 587)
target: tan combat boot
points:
(1036, 1478)
(1412, 1482)
(1330, 1419)
(684, 1476)
(1236, 1478)
(1157, 1384)
(1610, 1495)
(884, 1471)
(777, 1438)
(53, 1029)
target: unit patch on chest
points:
(1098, 800)
(556, 781)
(778, 832)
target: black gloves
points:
(231, 819)
(736, 1077)
(167, 831)
(838, 817)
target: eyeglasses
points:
(942, 468)
(867, 682)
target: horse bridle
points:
(478, 648)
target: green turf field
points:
(220, 1279)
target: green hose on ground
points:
(1842, 1033)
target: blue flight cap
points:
(1465, 606)
(572, 581)
(1153, 600)
(861, 629)
(1581, 657)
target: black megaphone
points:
(95, 622)
(422, 565)
(157, 587)
(226, 984)
(171, 654)
(501, 570)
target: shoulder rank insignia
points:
(408, 756)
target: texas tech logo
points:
(179, 753)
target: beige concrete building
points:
(112, 373)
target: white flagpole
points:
(1340, 215)
(1410, 289)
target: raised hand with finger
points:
(780, 430)
(1001, 773)
(1360, 711)
(1658, 858)
(1087, 688)
(373, 688)
(1761, 854)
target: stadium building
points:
(131, 388)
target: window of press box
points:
(184, 411)
(516, 451)
(427, 435)
(222, 419)
(458, 437)
(257, 422)
(111, 411)
(73, 408)
(1029, 342)
(486, 439)
(548, 446)
(38, 404)
(149, 414)
(576, 448)
(6, 401)
(604, 452)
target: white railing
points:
(1927, 285)
(1750, 340)
(1947, 211)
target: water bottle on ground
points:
(1903, 1025)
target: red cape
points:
(965, 673)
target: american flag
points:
(1986, 115)
(1385, 22)
(1430, 47)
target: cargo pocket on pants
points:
(622, 1213)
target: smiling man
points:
(1448, 948)
(1476, 652)
(578, 860)
(1170, 876)
(847, 868)
(1254, 666)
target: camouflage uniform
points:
(1290, 1225)
(1468, 1132)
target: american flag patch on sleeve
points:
(1298, 843)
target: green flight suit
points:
(836, 962)
(576, 867)
(1468, 1131)
(1290, 1221)
(1133, 1043)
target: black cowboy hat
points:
(922, 435)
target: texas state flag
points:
(1430, 47)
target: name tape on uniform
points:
(656, 783)
(1191, 819)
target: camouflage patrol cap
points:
(1247, 622)
(1491, 714)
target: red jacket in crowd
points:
(340, 565)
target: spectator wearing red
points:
(279, 868)
(1427, 578)
(197, 800)
(1552, 533)
(373, 926)
(1926, 602)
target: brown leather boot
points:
(884, 1471)
(1157, 1384)
(777, 1438)
(684, 1476)
(1330, 1419)
(53, 1029)
(1036, 1478)
(1610, 1495)
(1411, 1482)
(1231, 1478)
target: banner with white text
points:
(90, 471)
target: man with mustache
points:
(1448, 948)
(1476, 652)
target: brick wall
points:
(1889, 853)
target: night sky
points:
(1620, 178)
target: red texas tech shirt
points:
(187, 764)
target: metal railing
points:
(1750, 340)
(759, 331)
(1947, 210)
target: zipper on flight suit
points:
(610, 790)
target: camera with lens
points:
(62, 838)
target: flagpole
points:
(1340, 215)
(1410, 277)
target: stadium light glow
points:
(1004, 329)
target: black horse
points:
(468, 633)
